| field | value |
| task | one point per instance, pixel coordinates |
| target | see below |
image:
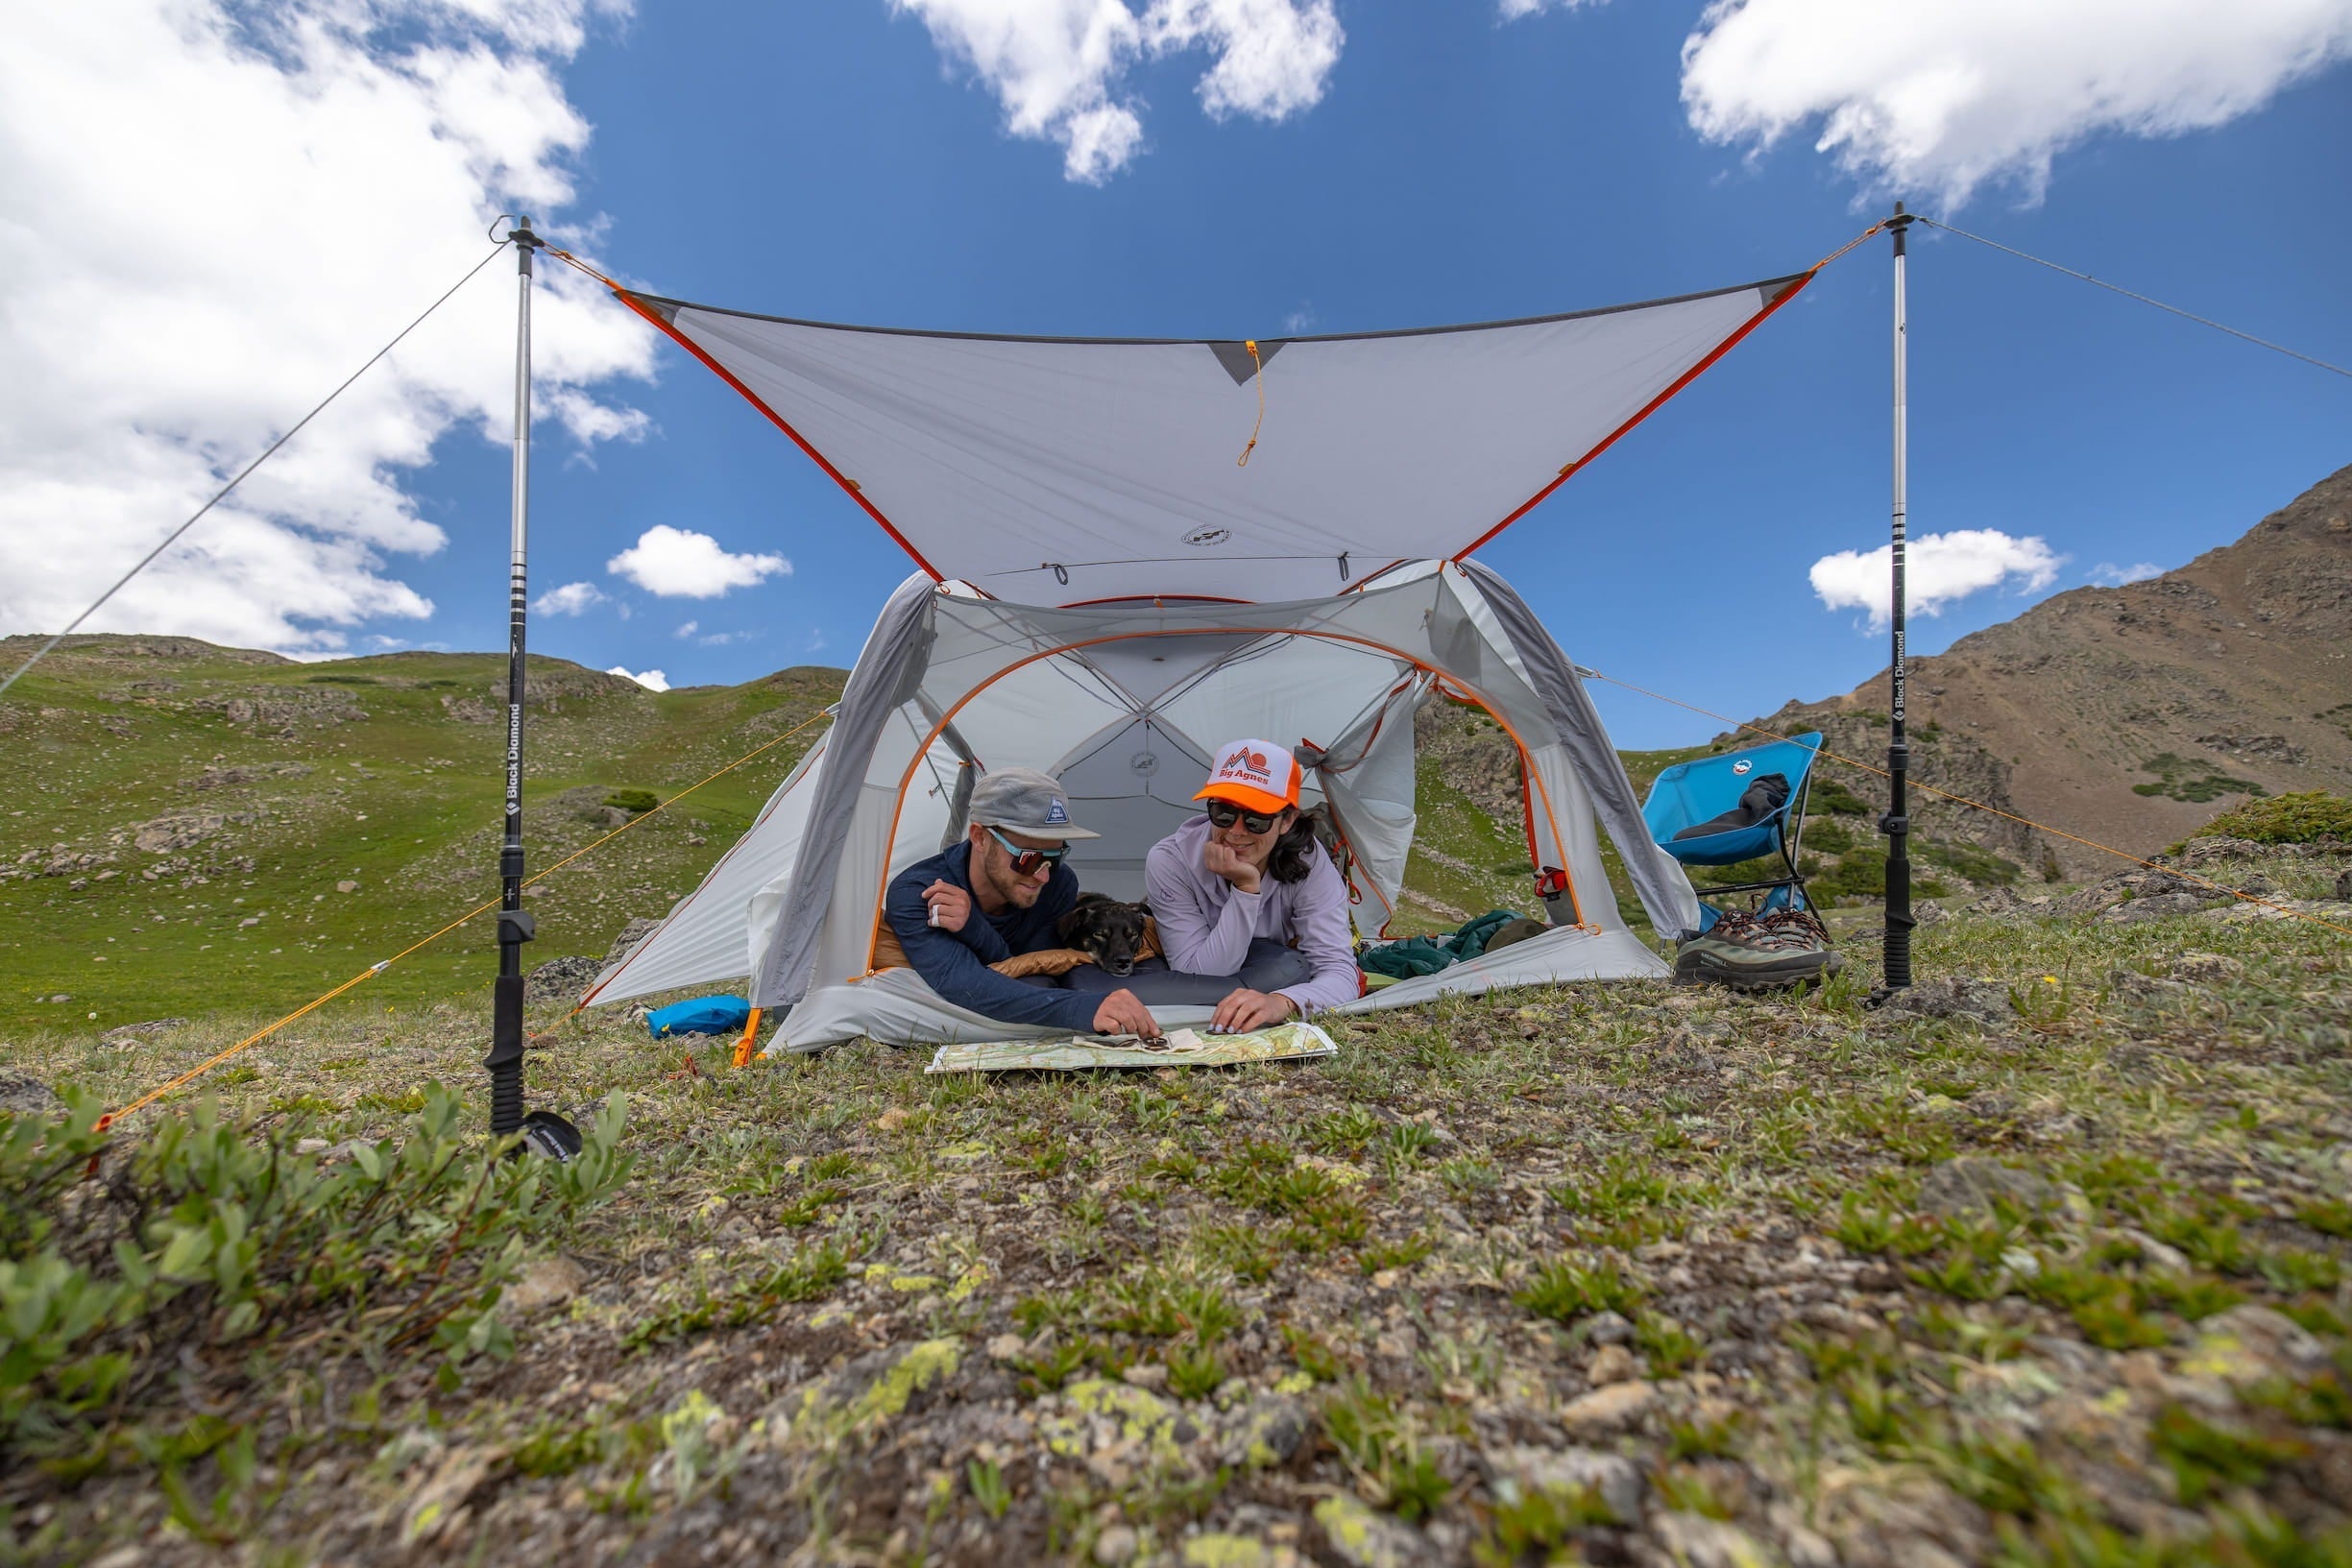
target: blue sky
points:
(829, 161)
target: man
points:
(1000, 893)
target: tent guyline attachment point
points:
(2181, 872)
(246, 473)
(380, 965)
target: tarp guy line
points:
(2117, 288)
(1978, 806)
(242, 473)
(257, 1036)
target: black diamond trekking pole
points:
(1897, 823)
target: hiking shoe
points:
(1748, 953)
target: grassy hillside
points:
(183, 817)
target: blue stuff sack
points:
(704, 1015)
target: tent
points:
(1134, 550)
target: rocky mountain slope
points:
(2131, 714)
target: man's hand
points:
(1218, 860)
(1120, 1013)
(954, 904)
(1244, 1010)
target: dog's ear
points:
(1067, 926)
(1143, 906)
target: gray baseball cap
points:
(1021, 800)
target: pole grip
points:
(506, 1058)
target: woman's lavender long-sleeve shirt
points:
(1207, 923)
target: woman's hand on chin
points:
(1219, 859)
(1244, 1010)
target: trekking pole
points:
(1896, 825)
(544, 1131)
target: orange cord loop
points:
(1258, 375)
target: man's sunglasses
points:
(1025, 862)
(1224, 813)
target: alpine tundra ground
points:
(2047, 1266)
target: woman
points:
(1252, 914)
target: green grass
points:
(403, 801)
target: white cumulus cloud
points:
(652, 680)
(571, 599)
(1513, 10)
(2110, 575)
(1059, 66)
(217, 211)
(681, 563)
(1938, 569)
(690, 628)
(1938, 97)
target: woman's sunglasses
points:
(1224, 813)
(1025, 862)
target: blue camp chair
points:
(1690, 794)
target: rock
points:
(1365, 1539)
(1971, 1182)
(2250, 1343)
(2207, 969)
(1115, 1546)
(634, 932)
(22, 1096)
(2003, 899)
(1613, 1364)
(1607, 1411)
(440, 1501)
(1608, 1328)
(550, 1282)
(2135, 986)
(2344, 885)
(2220, 847)
(2160, 907)
(1007, 1348)
(1262, 1433)
(1150, 1375)
(891, 1120)
(1926, 912)
(346, 885)
(560, 978)
(154, 1026)
(1615, 1479)
(1693, 1540)
(1217, 1549)
(1987, 1002)
(176, 831)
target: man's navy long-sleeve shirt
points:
(956, 963)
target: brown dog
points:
(1108, 932)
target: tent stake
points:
(515, 926)
(1896, 825)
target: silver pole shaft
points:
(515, 927)
(1897, 956)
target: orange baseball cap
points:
(1256, 774)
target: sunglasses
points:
(1224, 813)
(1025, 862)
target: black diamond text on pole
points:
(515, 926)
(1897, 823)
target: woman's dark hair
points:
(1293, 853)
